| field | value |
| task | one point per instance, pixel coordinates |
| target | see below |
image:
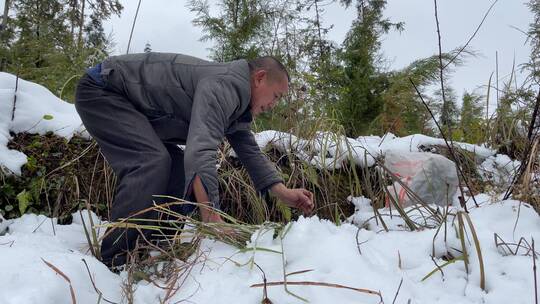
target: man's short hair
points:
(271, 65)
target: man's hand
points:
(296, 198)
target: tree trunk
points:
(73, 16)
(318, 20)
(4, 16)
(81, 25)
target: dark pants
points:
(143, 164)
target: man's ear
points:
(259, 76)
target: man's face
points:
(265, 92)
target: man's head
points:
(269, 82)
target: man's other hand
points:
(297, 198)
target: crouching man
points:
(139, 107)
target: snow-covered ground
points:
(42, 261)
(330, 252)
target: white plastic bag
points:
(432, 177)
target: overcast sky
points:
(166, 25)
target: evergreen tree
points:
(534, 63)
(291, 31)
(534, 40)
(95, 34)
(471, 118)
(50, 41)
(323, 59)
(234, 30)
(365, 82)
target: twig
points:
(397, 292)
(10, 243)
(473, 35)
(15, 96)
(438, 267)
(133, 26)
(309, 283)
(533, 118)
(94, 284)
(441, 68)
(445, 117)
(500, 242)
(298, 272)
(265, 299)
(534, 272)
(34, 231)
(87, 235)
(497, 76)
(58, 271)
(359, 243)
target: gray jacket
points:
(197, 103)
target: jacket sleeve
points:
(214, 103)
(262, 171)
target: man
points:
(139, 107)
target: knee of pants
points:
(149, 170)
(160, 162)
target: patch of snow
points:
(329, 150)
(499, 170)
(412, 143)
(38, 111)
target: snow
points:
(329, 151)
(412, 143)
(38, 111)
(328, 250)
(41, 260)
(496, 169)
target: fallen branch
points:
(309, 283)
